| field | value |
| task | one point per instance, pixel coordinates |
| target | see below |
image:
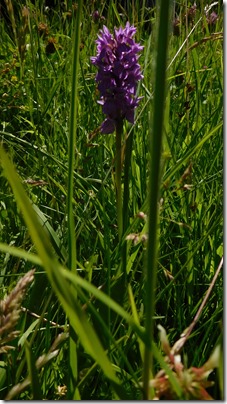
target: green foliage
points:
(82, 329)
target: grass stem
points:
(73, 374)
(154, 181)
(118, 170)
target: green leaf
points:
(99, 294)
(25, 335)
(33, 374)
(76, 316)
(2, 373)
(56, 242)
(20, 253)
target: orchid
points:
(118, 75)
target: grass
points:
(85, 325)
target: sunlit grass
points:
(108, 326)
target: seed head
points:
(10, 309)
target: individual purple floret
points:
(212, 18)
(118, 75)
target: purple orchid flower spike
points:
(118, 75)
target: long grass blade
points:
(73, 373)
(64, 292)
(154, 181)
(33, 374)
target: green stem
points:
(73, 371)
(127, 166)
(118, 171)
(154, 185)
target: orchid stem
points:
(118, 170)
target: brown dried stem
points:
(185, 335)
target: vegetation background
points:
(101, 354)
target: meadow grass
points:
(89, 323)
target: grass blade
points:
(73, 374)
(66, 295)
(154, 181)
(33, 374)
